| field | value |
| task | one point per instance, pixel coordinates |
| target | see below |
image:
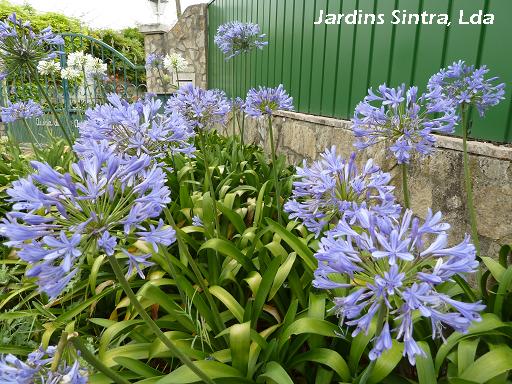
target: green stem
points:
(60, 349)
(152, 325)
(209, 181)
(405, 186)
(468, 179)
(95, 362)
(274, 169)
(52, 108)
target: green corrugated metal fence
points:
(328, 68)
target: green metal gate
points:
(71, 99)
(328, 68)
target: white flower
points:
(70, 73)
(95, 68)
(174, 62)
(48, 68)
(77, 59)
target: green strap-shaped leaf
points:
(328, 357)
(275, 373)
(358, 346)
(503, 288)
(496, 269)
(309, 325)
(233, 217)
(137, 367)
(213, 369)
(492, 364)
(282, 274)
(239, 341)
(259, 204)
(425, 366)
(294, 242)
(229, 301)
(386, 363)
(466, 352)
(264, 289)
(228, 249)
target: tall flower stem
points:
(209, 181)
(405, 186)
(52, 108)
(233, 95)
(152, 325)
(274, 169)
(468, 179)
(94, 361)
(60, 349)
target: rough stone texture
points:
(188, 37)
(436, 181)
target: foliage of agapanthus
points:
(21, 49)
(392, 273)
(48, 67)
(137, 128)
(105, 204)
(235, 37)
(20, 110)
(463, 84)
(155, 61)
(265, 101)
(403, 120)
(332, 188)
(36, 369)
(201, 108)
(174, 62)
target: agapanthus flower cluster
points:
(333, 188)
(36, 369)
(137, 128)
(235, 37)
(21, 49)
(48, 67)
(80, 64)
(20, 110)
(201, 108)
(155, 61)
(405, 121)
(105, 203)
(392, 270)
(174, 62)
(463, 84)
(265, 101)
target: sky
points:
(114, 14)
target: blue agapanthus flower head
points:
(137, 128)
(20, 110)
(265, 101)
(333, 188)
(391, 271)
(235, 37)
(201, 108)
(105, 203)
(155, 61)
(37, 369)
(21, 49)
(463, 84)
(402, 119)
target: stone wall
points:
(188, 37)
(437, 181)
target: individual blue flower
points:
(201, 108)
(155, 61)
(20, 110)
(37, 368)
(101, 204)
(265, 101)
(135, 262)
(158, 235)
(196, 221)
(404, 121)
(332, 188)
(235, 37)
(391, 270)
(137, 128)
(463, 84)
